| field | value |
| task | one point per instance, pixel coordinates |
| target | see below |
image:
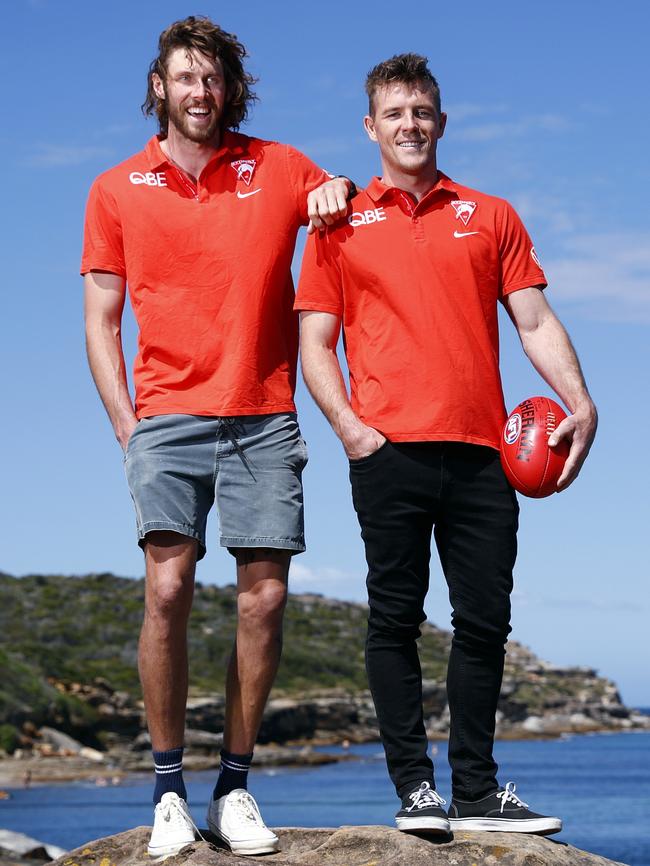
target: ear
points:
(369, 126)
(443, 124)
(158, 88)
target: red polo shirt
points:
(208, 273)
(416, 285)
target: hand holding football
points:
(530, 465)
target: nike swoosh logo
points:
(464, 234)
(247, 194)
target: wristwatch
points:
(352, 189)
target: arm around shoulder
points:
(549, 348)
(329, 202)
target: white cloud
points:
(515, 128)
(549, 212)
(582, 603)
(114, 129)
(56, 155)
(327, 146)
(332, 582)
(461, 111)
(606, 276)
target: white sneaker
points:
(236, 819)
(173, 827)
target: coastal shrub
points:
(9, 738)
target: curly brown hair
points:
(401, 69)
(198, 33)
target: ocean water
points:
(599, 785)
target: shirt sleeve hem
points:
(533, 280)
(317, 307)
(110, 268)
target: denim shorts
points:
(177, 465)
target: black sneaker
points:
(503, 811)
(422, 810)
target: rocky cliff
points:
(68, 654)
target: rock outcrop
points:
(348, 846)
(21, 849)
(537, 700)
(70, 682)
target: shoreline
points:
(19, 774)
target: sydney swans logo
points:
(244, 169)
(464, 210)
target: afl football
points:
(529, 464)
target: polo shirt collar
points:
(377, 190)
(231, 143)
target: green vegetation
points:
(22, 688)
(77, 628)
(9, 738)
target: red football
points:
(530, 465)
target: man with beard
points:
(414, 276)
(201, 226)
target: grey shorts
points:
(176, 466)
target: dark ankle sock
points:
(234, 773)
(168, 766)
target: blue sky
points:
(546, 108)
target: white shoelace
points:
(508, 796)
(174, 812)
(425, 796)
(246, 808)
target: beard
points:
(179, 118)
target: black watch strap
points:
(352, 189)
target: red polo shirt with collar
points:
(208, 273)
(416, 285)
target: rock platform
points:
(347, 846)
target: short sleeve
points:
(304, 176)
(520, 266)
(103, 249)
(320, 286)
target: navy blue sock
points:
(169, 774)
(234, 773)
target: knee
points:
(169, 597)
(398, 626)
(261, 608)
(481, 636)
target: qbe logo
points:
(151, 178)
(512, 429)
(367, 217)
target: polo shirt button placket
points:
(418, 228)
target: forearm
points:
(551, 352)
(324, 379)
(549, 349)
(106, 360)
(323, 376)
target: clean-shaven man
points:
(414, 276)
(201, 227)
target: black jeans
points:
(400, 493)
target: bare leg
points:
(261, 599)
(162, 654)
